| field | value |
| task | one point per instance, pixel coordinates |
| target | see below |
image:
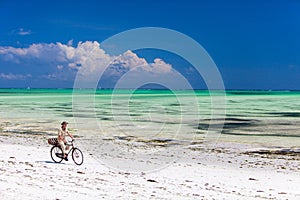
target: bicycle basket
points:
(52, 141)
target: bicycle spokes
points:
(77, 156)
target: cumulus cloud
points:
(159, 66)
(87, 59)
(42, 52)
(129, 61)
(70, 43)
(11, 76)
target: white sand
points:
(27, 172)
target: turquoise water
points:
(268, 118)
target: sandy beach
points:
(27, 172)
(166, 100)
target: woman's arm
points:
(70, 135)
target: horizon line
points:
(67, 88)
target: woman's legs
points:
(63, 147)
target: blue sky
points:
(255, 44)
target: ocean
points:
(263, 118)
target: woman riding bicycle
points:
(62, 132)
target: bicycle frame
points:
(69, 144)
(57, 155)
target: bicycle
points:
(57, 153)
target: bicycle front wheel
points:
(56, 154)
(77, 156)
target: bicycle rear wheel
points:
(56, 154)
(77, 156)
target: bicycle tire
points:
(77, 156)
(55, 150)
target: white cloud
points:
(159, 66)
(50, 76)
(43, 52)
(70, 43)
(11, 76)
(22, 31)
(60, 67)
(130, 60)
(55, 76)
(87, 58)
